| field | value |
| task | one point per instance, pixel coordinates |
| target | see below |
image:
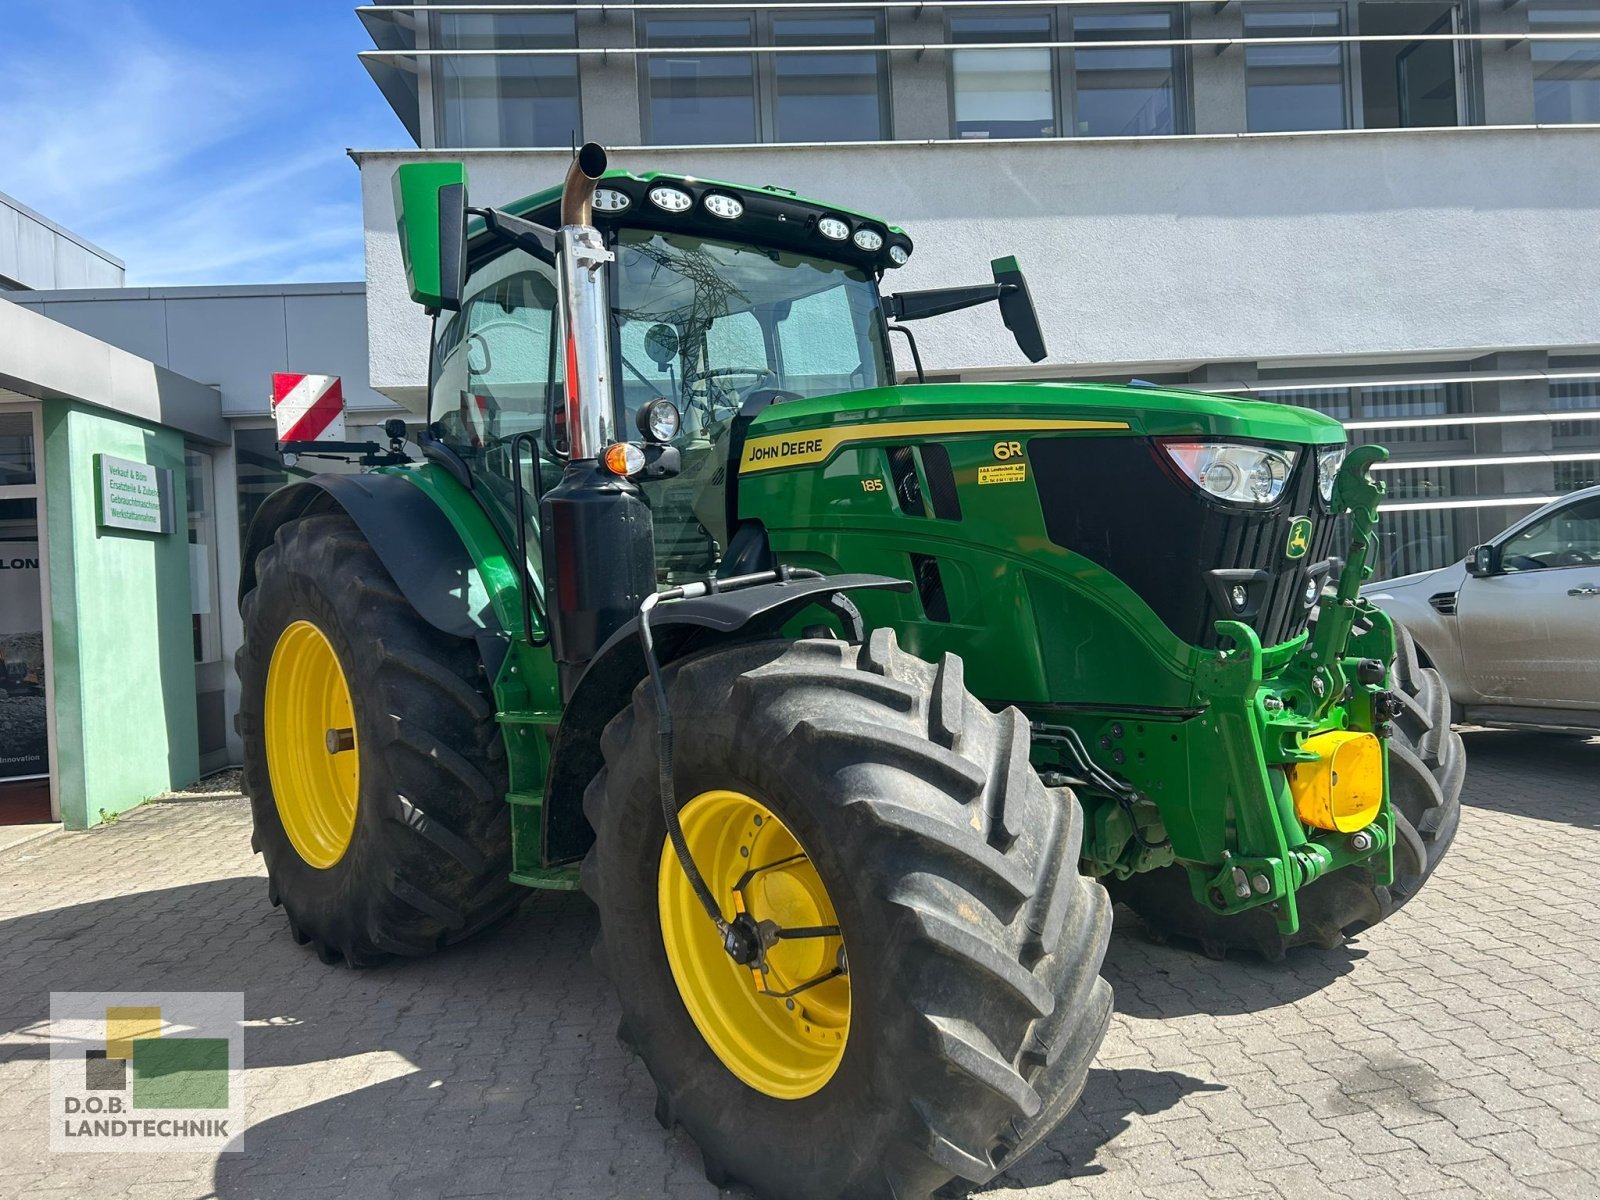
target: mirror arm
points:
(525, 235)
(936, 302)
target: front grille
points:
(1113, 501)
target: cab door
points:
(1531, 634)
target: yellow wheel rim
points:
(785, 1048)
(311, 745)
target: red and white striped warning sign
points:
(308, 408)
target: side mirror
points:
(1483, 561)
(430, 208)
(1016, 308)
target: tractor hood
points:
(1024, 407)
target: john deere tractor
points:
(845, 700)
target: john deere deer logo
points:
(1299, 538)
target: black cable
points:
(669, 804)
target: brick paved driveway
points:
(1451, 1053)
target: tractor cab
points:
(722, 300)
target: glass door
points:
(25, 792)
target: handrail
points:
(1219, 43)
(1488, 460)
(778, 5)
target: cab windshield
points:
(711, 325)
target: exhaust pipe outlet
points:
(598, 544)
(577, 193)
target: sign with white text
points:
(133, 495)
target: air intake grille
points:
(1444, 602)
(1112, 501)
(941, 482)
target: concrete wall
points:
(35, 252)
(123, 675)
(1395, 243)
(232, 338)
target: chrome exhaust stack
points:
(581, 258)
(598, 544)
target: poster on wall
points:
(24, 737)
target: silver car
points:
(1515, 627)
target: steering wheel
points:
(1574, 558)
(718, 372)
(758, 376)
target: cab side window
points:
(492, 375)
(492, 359)
(1568, 537)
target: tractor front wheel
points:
(930, 998)
(375, 770)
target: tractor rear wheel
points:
(1427, 767)
(944, 997)
(375, 770)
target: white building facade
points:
(1386, 210)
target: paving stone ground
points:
(1453, 1052)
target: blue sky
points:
(200, 141)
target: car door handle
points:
(1587, 589)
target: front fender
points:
(680, 628)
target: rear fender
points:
(408, 531)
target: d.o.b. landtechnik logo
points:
(150, 1071)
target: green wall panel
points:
(123, 673)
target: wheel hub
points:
(772, 997)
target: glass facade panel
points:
(699, 99)
(1125, 91)
(1566, 75)
(1006, 93)
(827, 97)
(1296, 87)
(16, 449)
(495, 101)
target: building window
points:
(1003, 93)
(1566, 75)
(204, 606)
(699, 99)
(506, 101)
(833, 97)
(1125, 91)
(1408, 85)
(1300, 86)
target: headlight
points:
(610, 200)
(725, 207)
(1328, 464)
(832, 227)
(1237, 473)
(671, 199)
(869, 240)
(658, 420)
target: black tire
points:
(429, 858)
(1427, 767)
(975, 945)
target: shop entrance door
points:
(25, 793)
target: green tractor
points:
(845, 701)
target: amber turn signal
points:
(623, 458)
